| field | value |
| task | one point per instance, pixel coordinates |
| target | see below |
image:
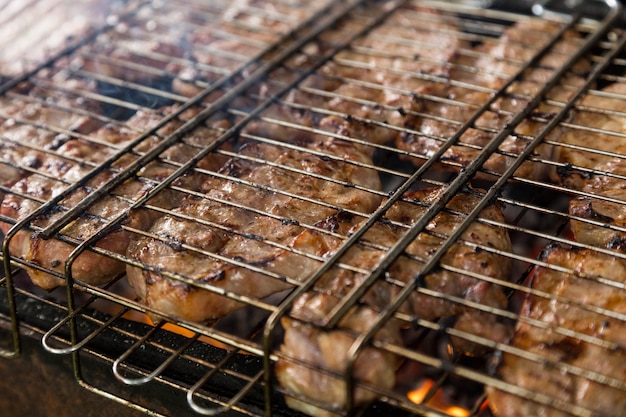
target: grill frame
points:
(265, 349)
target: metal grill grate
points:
(297, 129)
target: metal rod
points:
(492, 193)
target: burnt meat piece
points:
(571, 333)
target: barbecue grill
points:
(238, 62)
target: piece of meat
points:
(594, 163)
(138, 51)
(571, 323)
(327, 352)
(462, 256)
(602, 219)
(478, 74)
(240, 227)
(601, 152)
(321, 347)
(36, 121)
(239, 33)
(375, 80)
(80, 157)
(186, 49)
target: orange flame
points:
(142, 318)
(437, 400)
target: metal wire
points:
(230, 83)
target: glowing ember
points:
(437, 400)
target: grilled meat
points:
(241, 228)
(571, 323)
(382, 71)
(469, 254)
(321, 347)
(477, 75)
(33, 126)
(242, 31)
(191, 49)
(79, 157)
(325, 353)
(602, 219)
(594, 159)
(374, 82)
(594, 163)
(139, 51)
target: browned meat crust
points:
(323, 347)
(594, 163)
(244, 227)
(35, 124)
(575, 369)
(327, 352)
(600, 152)
(448, 106)
(79, 157)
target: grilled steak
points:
(241, 227)
(571, 323)
(477, 75)
(79, 157)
